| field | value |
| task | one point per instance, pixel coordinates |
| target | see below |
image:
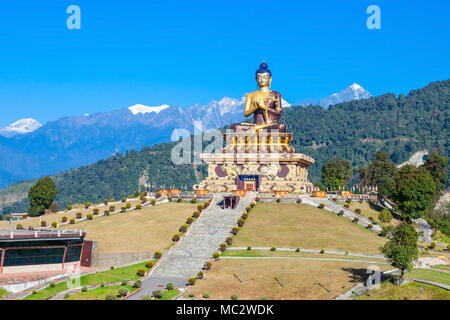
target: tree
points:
(437, 166)
(412, 190)
(41, 196)
(336, 173)
(385, 216)
(380, 173)
(402, 249)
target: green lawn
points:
(99, 293)
(3, 293)
(429, 275)
(166, 295)
(116, 275)
(410, 291)
(442, 266)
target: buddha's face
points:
(263, 79)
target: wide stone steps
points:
(203, 238)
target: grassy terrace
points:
(369, 210)
(429, 275)
(303, 279)
(3, 293)
(291, 225)
(148, 229)
(410, 291)
(99, 293)
(51, 217)
(110, 276)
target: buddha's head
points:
(263, 75)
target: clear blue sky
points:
(182, 52)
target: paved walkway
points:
(306, 258)
(189, 255)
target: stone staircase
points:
(204, 237)
(189, 255)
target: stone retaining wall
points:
(103, 259)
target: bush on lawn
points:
(149, 264)
(169, 286)
(191, 281)
(84, 289)
(200, 275)
(299, 200)
(96, 211)
(341, 213)
(235, 230)
(128, 205)
(183, 228)
(79, 215)
(206, 295)
(321, 205)
(110, 296)
(189, 220)
(208, 265)
(358, 211)
(43, 223)
(278, 200)
(89, 216)
(347, 205)
(64, 219)
(72, 221)
(87, 205)
(158, 255)
(252, 204)
(140, 272)
(244, 216)
(216, 255)
(123, 292)
(249, 248)
(153, 202)
(196, 214)
(348, 200)
(52, 284)
(322, 251)
(169, 198)
(223, 246)
(241, 222)
(356, 220)
(176, 237)
(248, 208)
(273, 249)
(229, 240)
(123, 209)
(105, 202)
(297, 250)
(179, 199)
(138, 206)
(193, 200)
(234, 297)
(106, 212)
(200, 207)
(157, 294)
(54, 224)
(69, 207)
(257, 199)
(124, 199)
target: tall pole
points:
(242, 279)
(282, 277)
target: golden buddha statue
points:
(264, 104)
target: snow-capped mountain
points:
(353, 92)
(21, 126)
(140, 108)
